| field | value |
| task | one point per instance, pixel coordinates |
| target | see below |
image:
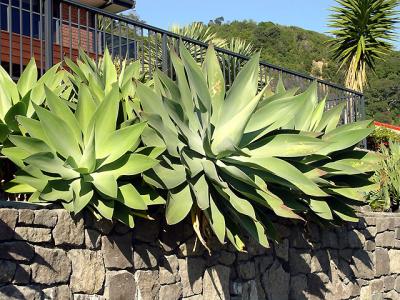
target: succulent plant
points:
(234, 157)
(18, 98)
(84, 157)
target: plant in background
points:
(87, 156)
(382, 135)
(363, 30)
(234, 157)
(387, 196)
(18, 98)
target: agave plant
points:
(100, 78)
(87, 158)
(18, 98)
(234, 157)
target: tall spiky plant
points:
(363, 31)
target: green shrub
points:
(87, 156)
(382, 135)
(387, 196)
(235, 156)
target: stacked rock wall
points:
(46, 254)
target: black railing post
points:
(48, 33)
(164, 53)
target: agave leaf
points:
(230, 133)
(104, 207)
(216, 220)
(243, 89)
(75, 68)
(10, 117)
(185, 93)
(287, 145)
(197, 81)
(128, 165)
(28, 78)
(163, 176)
(8, 90)
(343, 211)
(343, 141)
(179, 203)
(123, 215)
(149, 196)
(216, 83)
(60, 108)
(32, 127)
(52, 79)
(321, 208)
(105, 117)
(284, 170)
(125, 138)
(130, 197)
(20, 188)
(201, 192)
(83, 194)
(85, 109)
(330, 119)
(88, 159)
(30, 145)
(307, 102)
(105, 183)
(4, 132)
(58, 133)
(110, 73)
(48, 162)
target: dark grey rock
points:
(385, 239)
(120, 285)
(191, 271)
(50, 266)
(145, 257)
(382, 262)
(246, 270)
(92, 239)
(7, 271)
(216, 283)
(298, 287)
(87, 271)
(169, 270)
(14, 292)
(58, 292)
(282, 250)
(227, 258)
(26, 216)
(147, 285)
(8, 220)
(34, 235)
(22, 274)
(19, 251)
(171, 292)
(276, 282)
(45, 217)
(300, 262)
(146, 230)
(117, 251)
(363, 264)
(69, 230)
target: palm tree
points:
(363, 31)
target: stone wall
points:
(46, 254)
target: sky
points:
(308, 14)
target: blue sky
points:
(308, 14)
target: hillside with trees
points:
(306, 51)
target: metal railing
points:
(51, 30)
